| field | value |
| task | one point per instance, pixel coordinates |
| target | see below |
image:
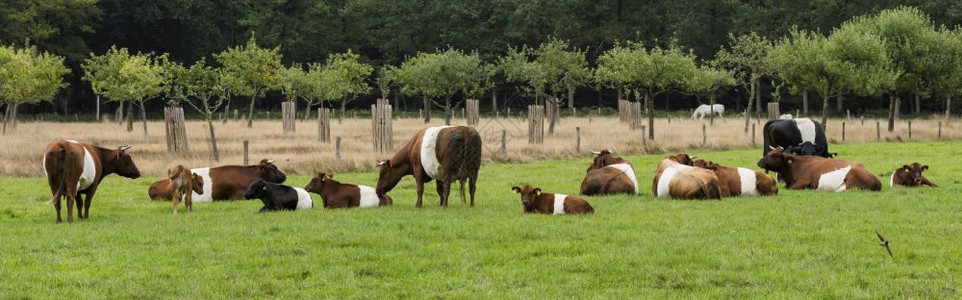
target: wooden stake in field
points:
(773, 111)
(381, 127)
(176, 129)
(634, 115)
(578, 139)
(843, 131)
(337, 149)
(246, 152)
(753, 136)
(289, 115)
(536, 124)
(878, 131)
(473, 110)
(324, 125)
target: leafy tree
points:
(440, 75)
(708, 80)
(346, 77)
(121, 76)
(252, 71)
(201, 87)
(745, 55)
(943, 67)
(28, 76)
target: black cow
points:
(278, 196)
(798, 136)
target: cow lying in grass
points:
(740, 181)
(183, 182)
(911, 175)
(814, 172)
(534, 201)
(609, 175)
(337, 195)
(278, 196)
(676, 178)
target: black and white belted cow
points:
(74, 168)
(801, 136)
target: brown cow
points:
(911, 175)
(815, 172)
(224, 182)
(444, 153)
(609, 175)
(740, 181)
(676, 178)
(73, 168)
(338, 195)
(184, 183)
(534, 201)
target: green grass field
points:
(799, 244)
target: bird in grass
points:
(885, 243)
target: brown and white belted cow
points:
(339, 195)
(609, 175)
(740, 181)
(445, 154)
(911, 175)
(676, 178)
(74, 168)
(534, 201)
(224, 182)
(815, 172)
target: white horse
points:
(706, 110)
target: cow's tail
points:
(766, 140)
(63, 167)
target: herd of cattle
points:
(795, 149)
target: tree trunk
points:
(13, 115)
(948, 107)
(143, 117)
(748, 108)
(427, 110)
(620, 94)
(225, 114)
(120, 113)
(758, 96)
(898, 107)
(804, 103)
(838, 103)
(555, 102)
(130, 119)
(649, 110)
(250, 115)
(307, 111)
(494, 100)
(918, 104)
(213, 139)
(825, 100)
(447, 112)
(571, 97)
(711, 105)
(892, 104)
(340, 116)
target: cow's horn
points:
(595, 152)
(124, 147)
(770, 147)
(381, 163)
(270, 161)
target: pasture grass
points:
(799, 244)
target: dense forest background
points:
(386, 32)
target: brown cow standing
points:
(224, 182)
(815, 172)
(676, 178)
(609, 175)
(740, 181)
(444, 153)
(534, 201)
(911, 175)
(73, 168)
(183, 184)
(338, 195)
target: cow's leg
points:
(471, 187)
(189, 203)
(176, 200)
(71, 197)
(56, 205)
(420, 184)
(925, 181)
(89, 198)
(440, 188)
(80, 205)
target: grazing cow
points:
(786, 117)
(337, 195)
(224, 182)
(707, 110)
(278, 196)
(73, 168)
(609, 175)
(534, 201)
(740, 181)
(911, 175)
(676, 178)
(807, 135)
(801, 172)
(444, 153)
(184, 185)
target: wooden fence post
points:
(843, 131)
(381, 127)
(704, 136)
(773, 111)
(337, 149)
(536, 116)
(644, 139)
(473, 110)
(246, 152)
(878, 131)
(753, 136)
(504, 141)
(635, 117)
(577, 139)
(176, 131)
(288, 115)
(910, 130)
(324, 125)
(940, 130)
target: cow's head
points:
(681, 158)
(806, 148)
(701, 163)
(318, 182)
(528, 194)
(196, 184)
(256, 189)
(913, 172)
(604, 158)
(776, 160)
(124, 165)
(389, 177)
(269, 172)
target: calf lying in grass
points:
(278, 196)
(338, 195)
(534, 201)
(911, 175)
(182, 183)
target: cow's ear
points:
(906, 168)
(193, 176)
(925, 167)
(537, 191)
(515, 190)
(330, 176)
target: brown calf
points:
(911, 175)
(225, 182)
(73, 168)
(183, 182)
(676, 178)
(740, 181)
(338, 195)
(815, 172)
(534, 201)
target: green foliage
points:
(909, 36)
(440, 75)
(549, 69)
(29, 76)
(294, 82)
(943, 66)
(199, 85)
(121, 76)
(251, 70)
(637, 70)
(707, 80)
(745, 56)
(345, 75)
(58, 26)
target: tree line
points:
(896, 53)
